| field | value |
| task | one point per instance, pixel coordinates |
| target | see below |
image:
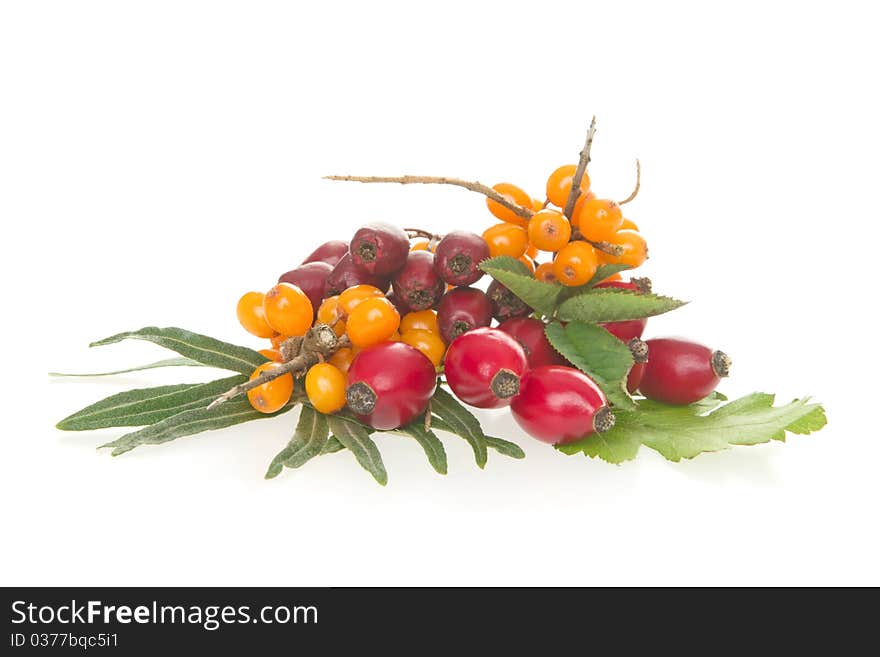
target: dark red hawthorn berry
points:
(379, 248)
(346, 274)
(559, 405)
(310, 278)
(390, 385)
(483, 367)
(505, 304)
(529, 332)
(461, 310)
(640, 353)
(682, 372)
(330, 252)
(417, 283)
(458, 257)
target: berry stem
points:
(421, 232)
(604, 247)
(635, 191)
(477, 187)
(580, 170)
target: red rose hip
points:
(680, 372)
(640, 354)
(529, 332)
(417, 284)
(379, 248)
(458, 257)
(484, 366)
(559, 405)
(461, 310)
(330, 252)
(390, 385)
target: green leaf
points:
(356, 438)
(593, 350)
(168, 362)
(683, 432)
(505, 447)
(332, 446)
(602, 305)
(145, 406)
(308, 441)
(603, 272)
(200, 348)
(193, 421)
(461, 422)
(429, 441)
(539, 295)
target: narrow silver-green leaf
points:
(461, 422)
(356, 438)
(332, 446)
(145, 406)
(503, 447)
(601, 305)
(201, 348)
(429, 441)
(308, 441)
(168, 362)
(540, 296)
(596, 352)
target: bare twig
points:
(477, 187)
(580, 170)
(635, 191)
(300, 363)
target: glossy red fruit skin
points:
(330, 252)
(483, 367)
(310, 278)
(529, 332)
(402, 378)
(458, 257)
(627, 330)
(417, 284)
(505, 304)
(379, 248)
(635, 376)
(678, 372)
(461, 310)
(557, 404)
(346, 274)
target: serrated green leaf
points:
(309, 439)
(356, 438)
(540, 296)
(593, 350)
(191, 422)
(683, 432)
(201, 348)
(601, 305)
(168, 362)
(461, 422)
(603, 272)
(503, 447)
(145, 406)
(429, 441)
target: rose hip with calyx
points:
(484, 366)
(505, 304)
(379, 248)
(681, 372)
(461, 310)
(346, 274)
(458, 257)
(417, 283)
(640, 353)
(529, 332)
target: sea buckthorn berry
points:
(681, 372)
(428, 342)
(272, 354)
(310, 278)
(374, 320)
(330, 252)
(288, 310)
(529, 332)
(505, 304)
(549, 230)
(379, 248)
(583, 198)
(559, 405)
(422, 245)
(628, 225)
(417, 283)
(390, 385)
(346, 274)
(483, 367)
(341, 358)
(461, 310)
(325, 387)
(544, 273)
(614, 278)
(635, 249)
(626, 330)
(641, 353)
(330, 313)
(425, 320)
(272, 395)
(252, 315)
(353, 296)
(598, 219)
(575, 264)
(507, 240)
(531, 251)
(458, 257)
(537, 205)
(559, 184)
(514, 194)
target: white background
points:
(159, 159)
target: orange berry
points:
(635, 249)
(428, 343)
(537, 204)
(544, 272)
(329, 313)
(628, 225)
(373, 320)
(272, 354)
(421, 319)
(514, 194)
(252, 315)
(288, 309)
(575, 264)
(325, 387)
(532, 251)
(614, 277)
(272, 395)
(353, 296)
(598, 219)
(549, 230)
(506, 239)
(342, 358)
(422, 245)
(559, 184)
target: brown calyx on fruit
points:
(603, 420)
(367, 251)
(460, 264)
(721, 363)
(639, 350)
(505, 384)
(643, 283)
(361, 398)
